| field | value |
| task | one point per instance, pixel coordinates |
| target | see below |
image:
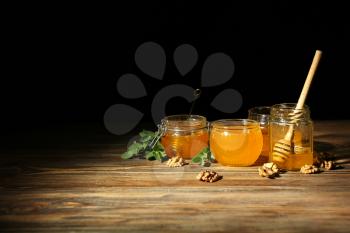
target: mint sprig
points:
(140, 147)
(204, 157)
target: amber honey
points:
(296, 161)
(185, 135)
(185, 146)
(261, 114)
(301, 154)
(266, 144)
(236, 142)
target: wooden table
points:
(86, 187)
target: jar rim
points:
(184, 122)
(288, 106)
(260, 110)
(179, 117)
(235, 124)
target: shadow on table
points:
(339, 153)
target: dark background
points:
(61, 62)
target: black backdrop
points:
(62, 62)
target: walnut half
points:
(269, 170)
(329, 165)
(325, 160)
(208, 176)
(309, 169)
(176, 161)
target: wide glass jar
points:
(236, 142)
(184, 135)
(291, 136)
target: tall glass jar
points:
(184, 135)
(291, 136)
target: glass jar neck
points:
(235, 124)
(260, 114)
(184, 122)
(287, 112)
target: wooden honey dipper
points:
(284, 147)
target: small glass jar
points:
(291, 136)
(236, 142)
(261, 114)
(184, 135)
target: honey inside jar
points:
(303, 153)
(266, 145)
(185, 135)
(236, 142)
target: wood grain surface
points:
(86, 187)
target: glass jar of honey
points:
(291, 136)
(184, 135)
(236, 142)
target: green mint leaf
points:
(156, 155)
(146, 134)
(161, 155)
(127, 155)
(158, 146)
(197, 159)
(150, 155)
(133, 150)
(201, 156)
(136, 147)
(140, 146)
(205, 163)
